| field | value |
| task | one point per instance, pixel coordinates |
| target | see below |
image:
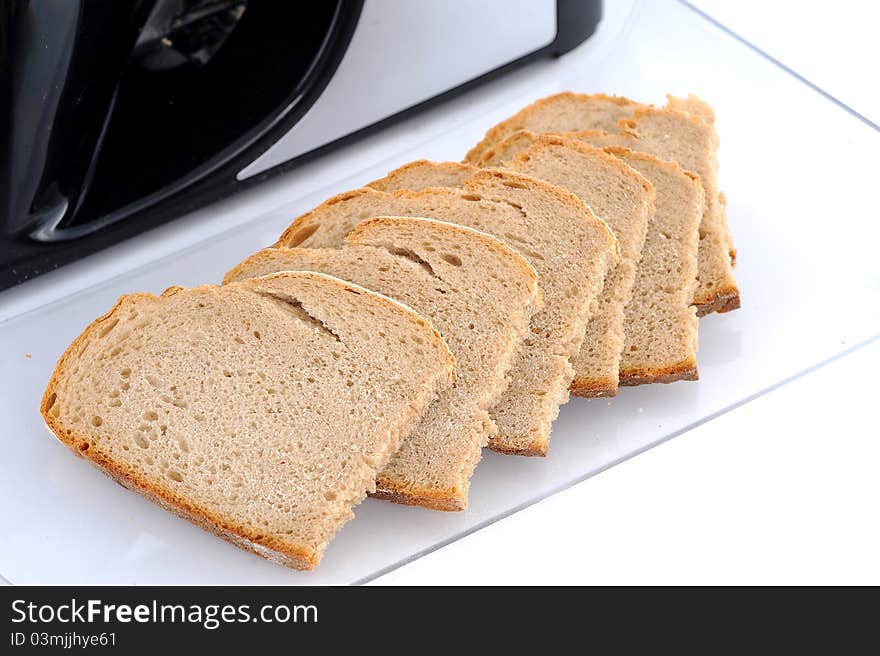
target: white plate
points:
(800, 178)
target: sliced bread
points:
(570, 249)
(513, 144)
(478, 292)
(662, 328)
(562, 112)
(424, 174)
(660, 340)
(699, 107)
(687, 139)
(616, 193)
(625, 200)
(693, 105)
(261, 411)
(668, 133)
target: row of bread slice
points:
(266, 408)
(477, 292)
(641, 323)
(683, 132)
(198, 400)
(546, 232)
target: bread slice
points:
(570, 249)
(261, 411)
(662, 329)
(513, 144)
(699, 107)
(616, 193)
(478, 292)
(684, 138)
(562, 112)
(424, 174)
(693, 105)
(660, 342)
(668, 133)
(625, 200)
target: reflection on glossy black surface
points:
(113, 107)
(119, 115)
(168, 123)
(64, 66)
(179, 32)
(137, 115)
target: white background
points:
(784, 489)
(834, 45)
(781, 489)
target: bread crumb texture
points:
(260, 410)
(569, 248)
(479, 294)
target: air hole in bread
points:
(301, 235)
(153, 380)
(149, 415)
(471, 197)
(175, 476)
(521, 246)
(413, 257)
(106, 329)
(454, 260)
(141, 441)
(125, 373)
(97, 421)
(294, 307)
(514, 185)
